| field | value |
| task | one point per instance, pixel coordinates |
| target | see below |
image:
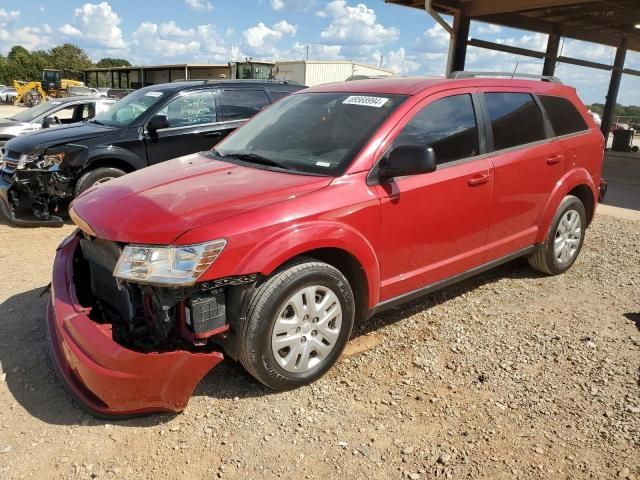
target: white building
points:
(312, 72)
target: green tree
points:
(71, 59)
(112, 62)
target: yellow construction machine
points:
(51, 86)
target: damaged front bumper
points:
(9, 210)
(104, 377)
(9, 213)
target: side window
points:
(65, 113)
(190, 109)
(563, 115)
(277, 95)
(84, 111)
(448, 125)
(241, 104)
(515, 119)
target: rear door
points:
(528, 162)
(193, 126)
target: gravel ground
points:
(507, 375)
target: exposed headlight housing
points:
(40, 160)
(170, 266)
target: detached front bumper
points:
(7, 210)
(104, 377)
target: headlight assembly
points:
(171, 266)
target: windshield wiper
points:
(96, 122)
(255, 158)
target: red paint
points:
(406, 234)
(105, 377)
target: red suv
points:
(331, 205)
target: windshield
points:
(317, 133)
(32, 113)
(130, 108)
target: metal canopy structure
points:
(614, 23)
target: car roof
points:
(79, 98)
(414, 85)
(187, 84)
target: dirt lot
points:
(508, 375)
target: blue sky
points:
(214, 31)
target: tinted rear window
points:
(515, 119)
(563, 115)
(241, 104)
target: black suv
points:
(43, 171)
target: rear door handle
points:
(554, 159)
(479, 179)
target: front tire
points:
(297, 325)
(564, 240)
(95, 176)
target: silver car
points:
(61, 111)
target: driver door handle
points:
(479, 179)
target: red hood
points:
(156, 205)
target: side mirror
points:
(48, 121)
(158, 122)
(407, 160)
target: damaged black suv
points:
(42, 172)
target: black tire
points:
(544, 259)
(269, 299)
(100, 174)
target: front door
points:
(434, 225)
(193, 127)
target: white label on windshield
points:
(153, 94)
(323, 164)
(55, 103)
(366, 101)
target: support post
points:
(614, 87)
(458, 43)
(551, 55)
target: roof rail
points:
(465, 74)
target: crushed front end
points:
(36, 189)
(124, 348)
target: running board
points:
(407, 297)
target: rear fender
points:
(295, 240)
(571, 179)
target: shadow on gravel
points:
(30, 377)
(634, 317)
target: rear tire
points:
(297, 325)
(97, 175)
(564, 240)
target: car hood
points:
(157, 204)
(49, 137)
(5, 123)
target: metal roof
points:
(607, 22)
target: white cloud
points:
(486, 28)
(199, 5)
(168, 40)
(260, 40)
(7, 16)
(400, 63)
(434, 40)
(294, 5)
(31, 38)
(355, 26)
(96, 25)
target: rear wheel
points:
(96, 176)
(564, 241)
(299, 321)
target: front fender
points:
(268, 255)
(572, 179)
(115, 153)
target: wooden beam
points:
(584, 63)
(551, 55)
(501, 47)
(489, 7)
(614, 87)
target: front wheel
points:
(297, 325)
(564, 241)
(96, 176)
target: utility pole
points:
(307, 53)
(381, 58)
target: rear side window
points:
(276, 95)
(448, 125)
(563, 115)
(515, 119)
(241, 104)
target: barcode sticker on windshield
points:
(366, 101)
(153, 94)
(323, 164)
